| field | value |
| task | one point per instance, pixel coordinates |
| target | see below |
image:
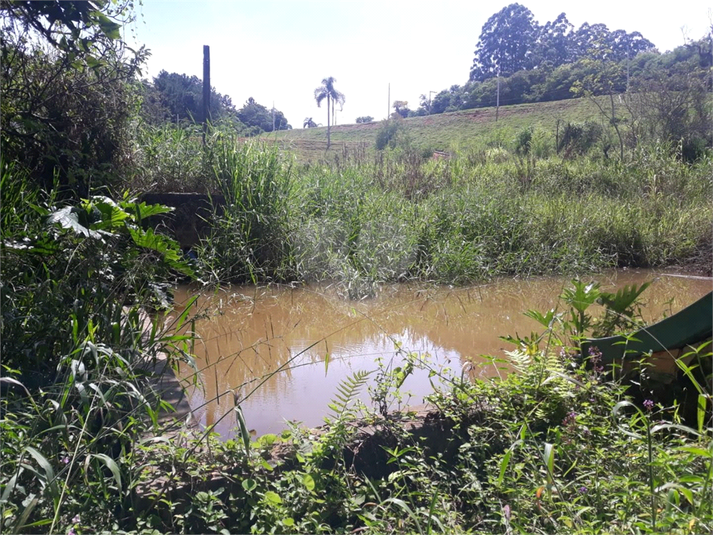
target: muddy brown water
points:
(269, 345)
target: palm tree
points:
(326, 90)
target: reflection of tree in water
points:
(257, 334)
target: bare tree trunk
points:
(614, 122)
(328, 126)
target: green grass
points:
(442, 132)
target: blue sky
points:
(279, 50)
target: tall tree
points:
(554, 43)
(506, 43)
(625, 46)
(182, 96)
(328, 91)
(260, 118)
(592, 41)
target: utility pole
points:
(388, 106)
(206, 89)
(628, 54)
(429, 101)
(273, 115)
(497, 99)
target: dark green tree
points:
(554, 43)
(67, 85)
(327, 91)
(592, 41)
(182, 98)
(260, 118)
(625, 46)
(401, 108)
(506, 43)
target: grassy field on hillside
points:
(443, 132)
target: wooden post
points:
(206, 89)
(388, 106)
(497, 101)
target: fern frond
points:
(520, 360)
(347, 390)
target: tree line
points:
(539, 63)
(173, 97)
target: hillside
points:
(442, 132)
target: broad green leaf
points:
(549, 458)
(273, 497)
(677, 427)
(186, 310)
(108, 26)
(504, 466)
(697, 451)
(623, 299)
(308, 481)
(67, 218)
(163, 245)
(111, 465)
(142, 210)
(43, 462)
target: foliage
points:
(388, 133)
(396, 216)
(75, 28)
(178, 98)
(505, 43)
(401, 108)
(675, 109)
(552, 448)
(170, 157)
(261, 119)
(78, 349)
(248, 240)
(578, 139)
(95, 255)
(66, 113)
(364, 119)
(511, 41)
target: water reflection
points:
(250, 333)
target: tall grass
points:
(396, 215)
(249, 237)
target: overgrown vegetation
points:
(517, 208)
(556, 447)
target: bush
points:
(388, 133)
(579, 138)
(68, 120)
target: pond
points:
(269, 344)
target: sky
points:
(278, 51)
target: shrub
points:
(388, 133)
(579, 138)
